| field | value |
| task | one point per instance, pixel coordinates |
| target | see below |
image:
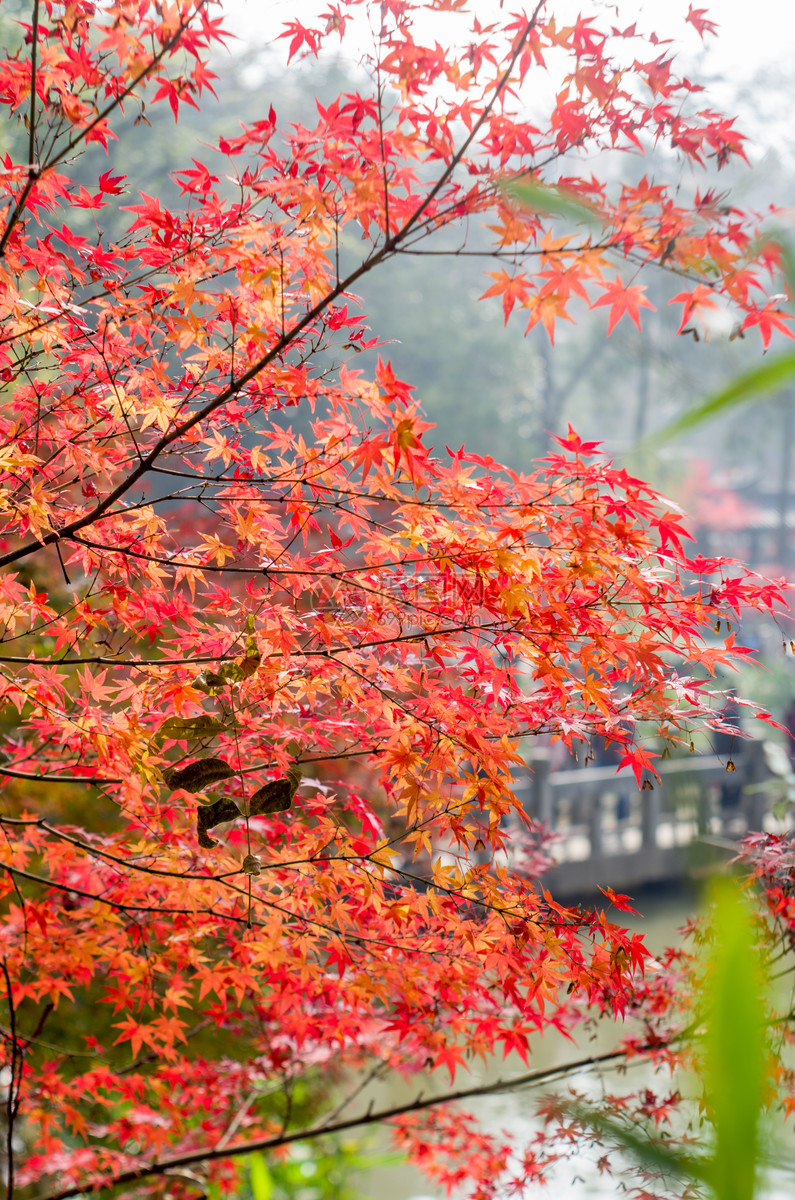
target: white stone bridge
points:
(610, 831)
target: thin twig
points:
(32, 166)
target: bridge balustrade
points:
(611, 831)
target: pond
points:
(664, 910)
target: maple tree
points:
(267, 662)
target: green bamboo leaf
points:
(735, 1048)
(553, 202)
(259, 1177)
(642, 1144)
(760, 381)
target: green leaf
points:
(735, 1047)
(212, 682)
(734, 1064)
(771, 376)
(640, 1143)
(198, 775)
(248, 665)
(184, 727)
(553, 202)
(259, 1177)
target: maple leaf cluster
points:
(267, 662)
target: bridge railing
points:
(609, 828)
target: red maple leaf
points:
(623, 302)
(697, 18)
(768, 319)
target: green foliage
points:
(753, 384)
(553, 202)
(321, 1171)
(731, 1055)
(735, 1052)
(757, 382)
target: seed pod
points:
(210, 815)
(272, 797)
(185, 727)
(276, 796)
(198, 775)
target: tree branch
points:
(387, 251)
(419, 1104)
(12, 1101)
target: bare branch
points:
(377, 1116)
